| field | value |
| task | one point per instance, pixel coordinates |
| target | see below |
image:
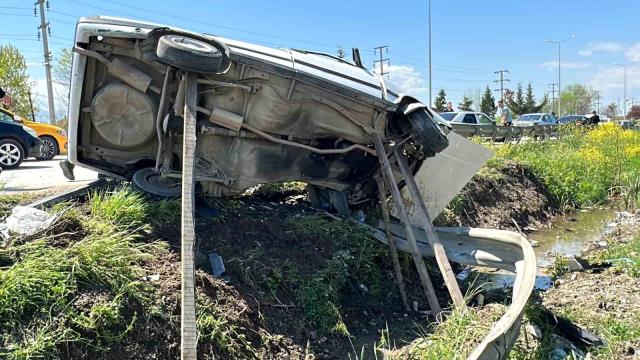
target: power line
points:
(502, 80)
(382, 60)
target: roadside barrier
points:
(506, 133)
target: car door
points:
(470, 119)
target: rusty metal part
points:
(392, 242)
(438, 250)
(161, 111)
(397, 198)
(188, 332)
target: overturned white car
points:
(264, 115)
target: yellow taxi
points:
(54, 138)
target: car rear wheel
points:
(11, 154)
(428, 132)
(193, 54)
(49, 148)
(150, 181)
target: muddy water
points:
(565, 235)
(569, 234)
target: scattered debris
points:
(27, 221)
(578, 264)
(217, 265)
(153, 277)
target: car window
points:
(448, 116)
(484, 119)
(546, 118)
(469, 119)
(529, 118)
(5, 117)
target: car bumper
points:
(35, 150)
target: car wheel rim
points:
(48, 150)
(9, 154)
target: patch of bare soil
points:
(512, 195)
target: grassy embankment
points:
(584, 167)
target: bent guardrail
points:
(505, 133)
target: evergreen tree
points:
(465, 105)
(530, 101)
(488, 103)
(517, 102)
(440, 103)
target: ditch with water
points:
(565, 235)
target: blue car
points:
(16, 143)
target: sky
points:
(471, 39)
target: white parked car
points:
(535, 119)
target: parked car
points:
(16, 142)
(468, 117)
(571, 119)
(264, 115)
(54, 138)
(535, 119)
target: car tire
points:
(49, 148)
(192, 54)
(147, 179)
(11, 154)
(428, 132)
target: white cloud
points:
(407, 80)
(553, 65)
(602, 47)
(612, 78)
(633, 53)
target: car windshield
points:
(529, 117)
(448, 115)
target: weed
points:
(214, 328)
(123, 206)
(625, 256)
(560, 266)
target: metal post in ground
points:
(188, 334)
(382, 191)
(434, 240)
(415, 252)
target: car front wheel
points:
(49, 148)
(11, 154)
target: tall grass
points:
(42, 282)
(584, 164)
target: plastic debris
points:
(217, 265)
(27, 220)
(154, 277)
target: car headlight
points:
(62, 132)
(30, 131)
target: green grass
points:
(625, 256)
(584, 166)
(42, 283)
(356, 256)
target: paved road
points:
(42, 176)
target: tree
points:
(530, 101)
(465, 105)
(611, 110)
(634, 112)
(488, 103)
(62, 75)
(516, 101)
(340, 52)
(440, 103)
(576, 99)
(14, 79)
(524, 103)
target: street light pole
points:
(559, 71)
(430, 91)
(624, 100)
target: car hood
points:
(41, 125)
